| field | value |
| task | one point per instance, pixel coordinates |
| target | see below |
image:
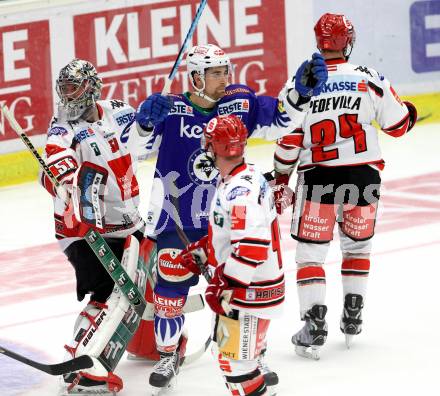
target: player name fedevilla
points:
(334, 103)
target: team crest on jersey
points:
(237, 105)
(236, 192)
(181, 108)
(201, 169)
(218, 219)
(57, 131)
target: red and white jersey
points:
(244, 234)
(111, 143)
(338, 130)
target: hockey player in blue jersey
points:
(183, 171)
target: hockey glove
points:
(187, 259)
(153, 110)
(218, 294)
(283, 195)
(311, 76)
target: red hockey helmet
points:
(335, 33)
(225, 135)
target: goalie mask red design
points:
(335, 33)
(226, 136)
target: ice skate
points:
(270, 377)
(164, 372)
(351, 320)
(312, 336)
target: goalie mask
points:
(202, 57)
(79, 87)
(335, 33)
(225, 136)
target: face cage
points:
(73, 108)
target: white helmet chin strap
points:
(202, 95)
(199, 91)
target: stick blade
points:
(79, 363)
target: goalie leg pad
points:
(104, 330)
(143, 343)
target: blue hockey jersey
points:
(184, 175)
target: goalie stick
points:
(79, 363)
(61, 191)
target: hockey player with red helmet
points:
(244, 253)
(339, 162)
(176, 123)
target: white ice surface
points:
(397, 353)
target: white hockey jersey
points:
(338, 130)
(244, 234)
(111, 143)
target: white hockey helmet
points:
(201, 57)
(79, 87)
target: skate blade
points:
(156, 391)
(86, 392)
(307, 352)
(348, 340)
(132, 357)
(271, 390)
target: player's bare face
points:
(216, 81)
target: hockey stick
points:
(61, 191)
(192, 357)
(185, 240)
(79, 363)
(195, 21)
